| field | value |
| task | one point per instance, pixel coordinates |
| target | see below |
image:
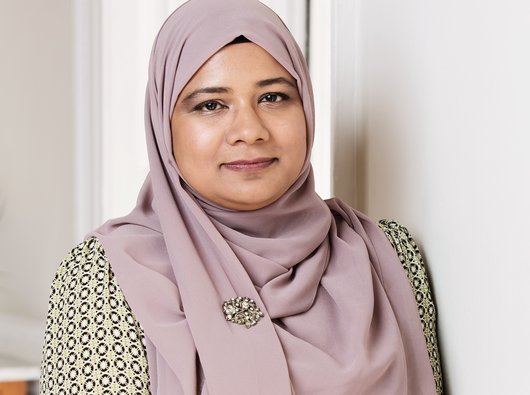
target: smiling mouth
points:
(250, 165)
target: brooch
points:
(242, 311)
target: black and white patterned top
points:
(95, 345)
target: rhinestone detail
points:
(242, 311)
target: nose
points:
(247, 126)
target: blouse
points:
(95, 344)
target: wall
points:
(444, 134)
(36, 193)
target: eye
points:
(208, 106)
(273, 97)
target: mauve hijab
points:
(339, 315)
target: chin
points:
(250, 204)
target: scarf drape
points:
(339, 316)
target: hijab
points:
(338, 312)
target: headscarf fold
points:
(339, 316)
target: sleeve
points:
(412, 261)
(93, 342)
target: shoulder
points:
(410, 257)
(93, 341)
(87, 252)
(84, 282)
(403, 243)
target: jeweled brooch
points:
(242, 311)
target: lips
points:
(250, 165)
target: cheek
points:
(192, 144)
(301, 144)
(297, 141)
(181, 148)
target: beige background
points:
(36, 160)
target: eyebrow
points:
(272, 81)
(213, 89)
(220, 89)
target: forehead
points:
(238, 63)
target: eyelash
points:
(281, 96)
(202, 106)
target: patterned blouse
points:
(94, 343)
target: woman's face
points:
(239, 132)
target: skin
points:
(238, 128)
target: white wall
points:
(445, 140)
(36, 177)
(128, 28)
(320, 59)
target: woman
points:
(231, 269)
